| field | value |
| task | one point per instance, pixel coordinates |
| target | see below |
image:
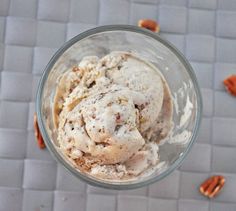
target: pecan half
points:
(37, 134)
(230, 84)
(212, 186)
(149, 24)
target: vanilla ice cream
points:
(111, 114)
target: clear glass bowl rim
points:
(107, 28)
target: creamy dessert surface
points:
(111, 113)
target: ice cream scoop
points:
(110, 117)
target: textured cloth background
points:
(31, 31)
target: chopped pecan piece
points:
(75, 69)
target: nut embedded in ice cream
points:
(111, 113)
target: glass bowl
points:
(151, 47)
